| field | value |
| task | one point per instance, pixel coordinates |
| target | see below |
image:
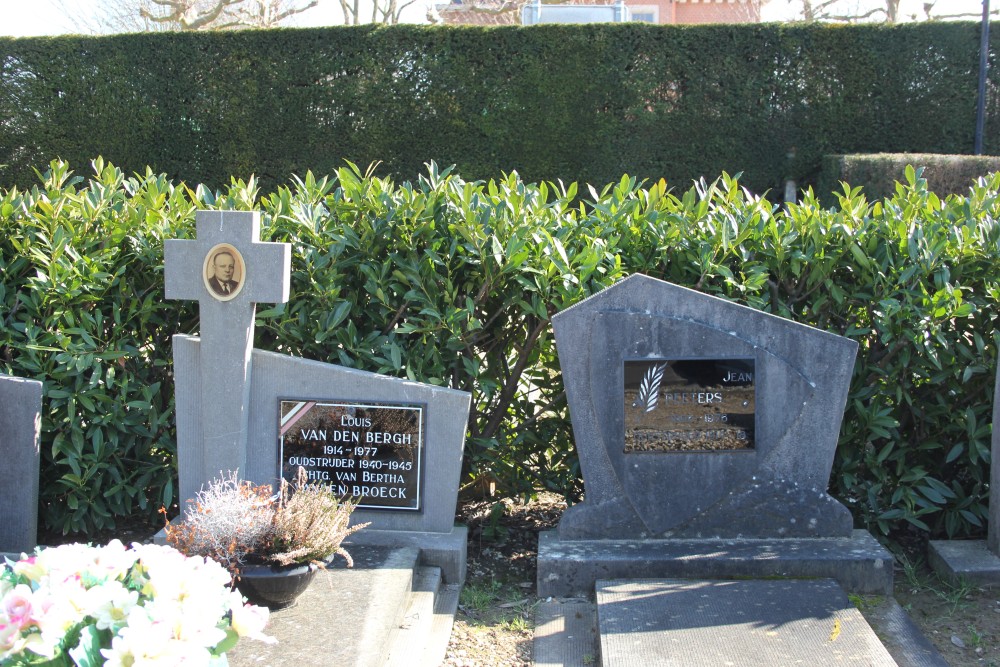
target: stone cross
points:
(228, 271)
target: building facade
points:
(508, 12)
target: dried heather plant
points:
(228, 521)
(310, 524)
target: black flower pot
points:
(274, 586)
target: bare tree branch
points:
(843, 11)
(940, 17)
(187, 13)
(851, 18)
(116, 16)
(931, 16)
(502, 8)
(352, 12)
(389, 11)
(268, 13)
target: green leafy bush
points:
(454, 282)
(82, 309)
(914, 279)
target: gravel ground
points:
(495, 622)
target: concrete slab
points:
(406, 641)
(421, 640)
(565, 634)
(446, 551)
(345, 616)
(970, 560)
(901, 637)
(569, 568)
(445, 608)
(740, 623)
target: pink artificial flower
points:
(17, 605)
(8, 637)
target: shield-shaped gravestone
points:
(695, 417)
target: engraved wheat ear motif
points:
(649, 389)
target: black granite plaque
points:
(675, 405)
(370, 453)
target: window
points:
(645, 13)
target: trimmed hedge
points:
(577, 103)
(454, 282)
(879, 173)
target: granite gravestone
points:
(392, 444)
(20, 424)
(698, 421)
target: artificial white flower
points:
(121, 653)
(110, 605)
(114, 561)
(29, 568)
(249, 620)
(55, 614)
(161, 607)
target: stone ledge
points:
(444, 550)
(970, 560)
(570, 568)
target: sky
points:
(23, 18)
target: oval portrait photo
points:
(224, 272)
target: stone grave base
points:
(570, 568)
(445, 551)
(964, 559)
(566, 634)
(386, 611)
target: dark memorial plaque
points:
(684, 405)
(368, 452)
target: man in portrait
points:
(222, 282)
